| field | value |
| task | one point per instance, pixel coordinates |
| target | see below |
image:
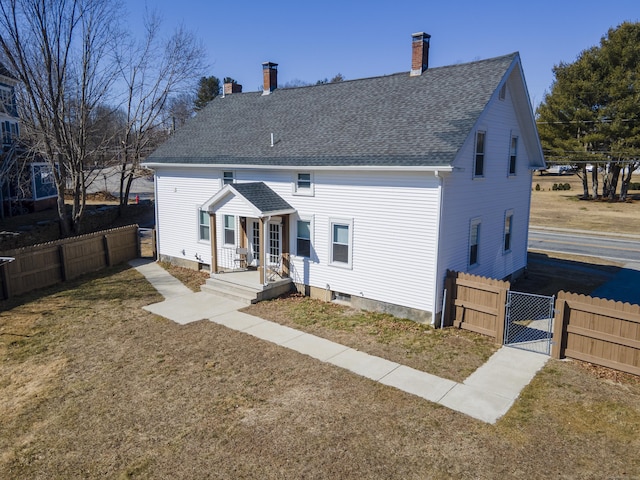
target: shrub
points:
(537, 187)
(566, 186)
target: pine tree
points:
(208, 89)
(592, 113)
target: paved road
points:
(624, 248)
(109, 179)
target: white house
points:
(366, 191)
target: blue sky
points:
(315, 40)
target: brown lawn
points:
(565, 209)
(94, 387)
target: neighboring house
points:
(369, 190)
(26, 184)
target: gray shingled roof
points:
(262, 197)
(394, 120)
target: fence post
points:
(450, 287)
(6, 287)
(63, 262)
(107, 251)
(557, 349)
(501, 317)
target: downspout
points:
(436, 272)
(155, 201)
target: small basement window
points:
(340, 297)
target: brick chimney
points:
(232, 87)
(419, 53)
(270, 77)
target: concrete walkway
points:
(486, 395)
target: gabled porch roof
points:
(259, 197)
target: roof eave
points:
(233, 166)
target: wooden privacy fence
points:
(476, 303)
(599, 331)
(595, 330)
(47, 264)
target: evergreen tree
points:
(592, 113)
(208, 89)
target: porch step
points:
(243, 292)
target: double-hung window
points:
(303, 238)
(303, 183)
(478, 166)
(508, 227)
(474, 242)
(341, 243)
(229, 230)
(513, 154)
(203, 226)
(228, 178)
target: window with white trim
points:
(478, 164)
(303, 238)
(228, 178)
(513, 154)
(204, 231)
(474, 242)
(303, 183)
(10, 132)
(341, 250)
(229, 230)
(46, 174)
(508, 228)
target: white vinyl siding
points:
(466, 199)
(378, 203)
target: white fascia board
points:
(229, 190)
(277, 213)
(235, 166)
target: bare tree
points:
(180, 109)
(59, 52)
(152, 71)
